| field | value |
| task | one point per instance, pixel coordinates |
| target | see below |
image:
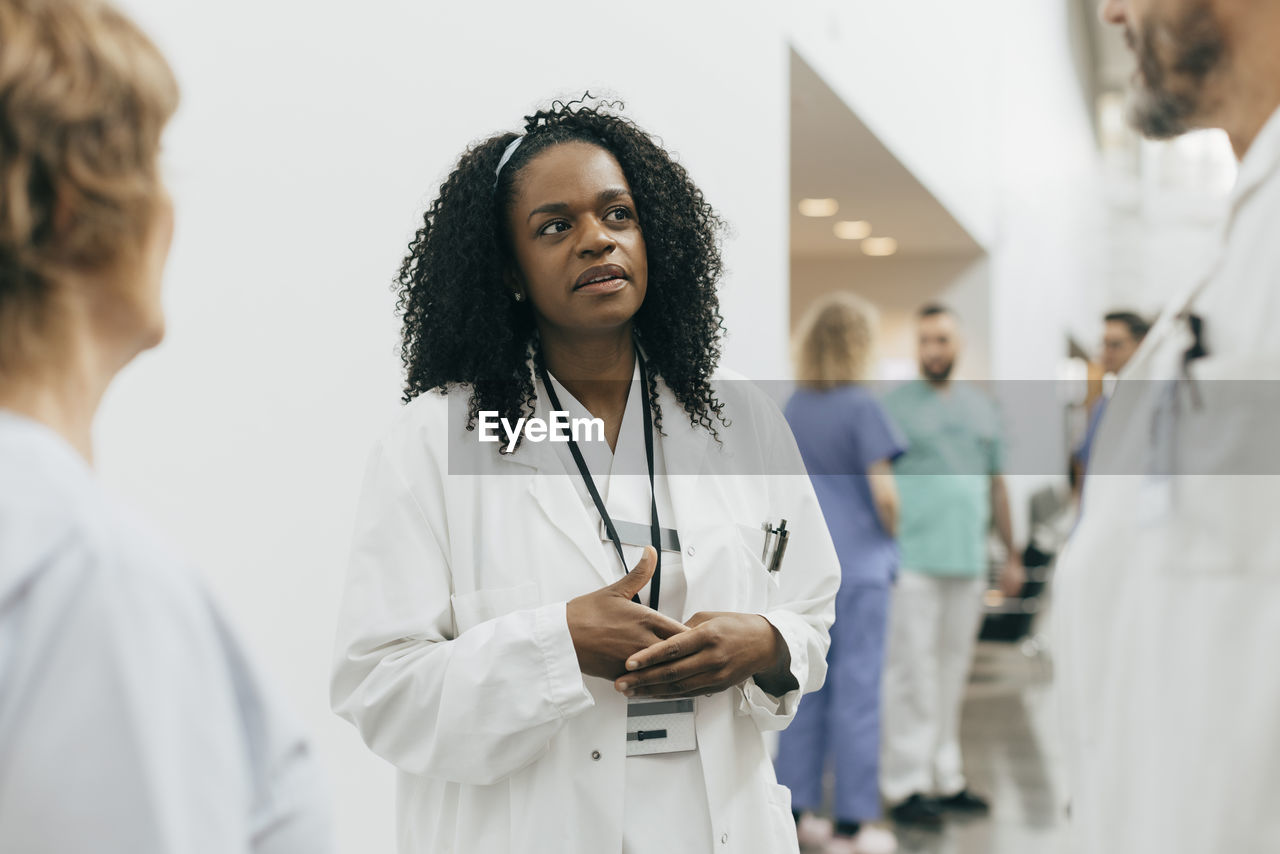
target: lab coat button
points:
(724, 839)
(689, 551)
(595, 756)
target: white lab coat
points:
(131, 720)
(1169, 591)
(454, 658)
(626, 494)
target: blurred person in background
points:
(1122, 332)
(131, 719)
(848, 444)
(1168, 599)
(951, 489)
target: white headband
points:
(506, 155)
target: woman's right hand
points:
(607, 627)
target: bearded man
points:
(1168, 602)
(951, 489)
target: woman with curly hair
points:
(571, 641)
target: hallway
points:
(1010, 756)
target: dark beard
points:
(938, 376)
(1156, 109)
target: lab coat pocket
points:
(1221, 527)
(782, 820)
(758, 586)
(1227, 482)
(780, 797)
(472, 609)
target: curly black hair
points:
(461, 326)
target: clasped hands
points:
(651, 655)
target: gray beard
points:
(1156, 109)
(1160, 115)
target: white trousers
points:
(933, 627)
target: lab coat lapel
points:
(552, 488)
(1170, 323)
(685, 453)
(684, 449)
(683, 445)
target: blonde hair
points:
(84, 97)
(835, 341)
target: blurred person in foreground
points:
(848, 444)
(952, 489)
(131, 721)
(1168, 601)
(1122, 333)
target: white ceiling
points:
(833, 154)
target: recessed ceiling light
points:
(819, 207)
(852, 229)
(879, 246)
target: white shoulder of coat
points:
(118, 577)
(60, 529)
(747, 402)
(428, 423)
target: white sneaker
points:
(874, 840)
(813, 830)
(840, 845)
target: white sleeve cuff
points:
(565, 686)
(772, 713)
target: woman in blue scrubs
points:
(848, 444)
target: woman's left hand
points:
(722, 649)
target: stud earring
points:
(519, 296)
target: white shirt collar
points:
(52, 444)
(1261, 160)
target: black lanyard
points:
(655, 584)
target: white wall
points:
(982, 102)
(923, 76)
(309, 139)
(1049, 257)
(1167, 203)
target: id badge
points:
(660, 726)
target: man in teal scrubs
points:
(951, 489)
